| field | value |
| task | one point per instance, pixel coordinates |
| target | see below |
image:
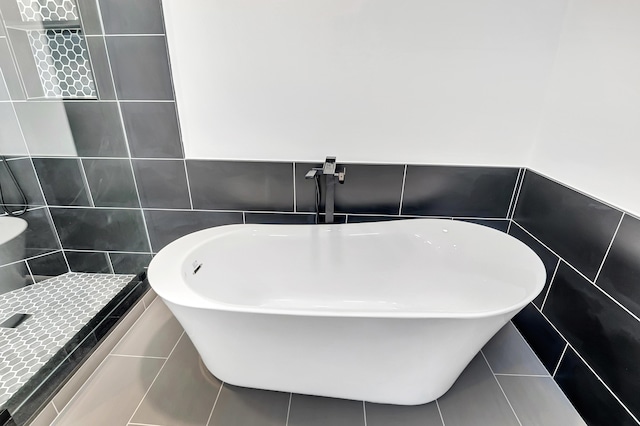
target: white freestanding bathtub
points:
(387, 312)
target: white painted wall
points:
(590, 132)
(422, 81)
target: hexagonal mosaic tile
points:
(59, 308)
(63, 63)
(47, 10)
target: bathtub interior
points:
(421, 267)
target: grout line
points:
(295, 201)
(500, 386)
(155, 378)
(608, 249)
(106, 251)
(587, 364)
(404, 178)
(513, 194)
(364, 412)
(142, 424)
(440, 412)
(286, 423)
(509, 226)
(521, 375)
(138, 356)
(186, 175)
(244, 218)
(553, 277)
(33, 280)
(53, 404)
(581, 274)
(85, 181)
(555, 370)
(515, 203)
(91, 67)
(215, 402)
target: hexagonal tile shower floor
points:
(57, 309)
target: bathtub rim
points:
(10, 231)
(176, 253)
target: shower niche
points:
(49, 47)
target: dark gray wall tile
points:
(162, 183)
(10, 71)
(353, 218)
(279, 218)
(129, 263)
(152, 129)
(541, 336)
(132, 17)
(368, 188)
(10, 11)
(25, 177)
(111, 183)
(101, 229)
(24, 61)
(47, 266)
(40, 234)
(88, 262)
(593, 401)
(62, 181)
(606, 336)
(518, 186)
(549, 259)
(40, 120)
(96, 128)
(11, 140)
(620, 275)
(90, 16)
(101, 69)
(238, 185)
(458, 191)
(140, 67)
(13, 277)
(497, 224)
(578, 228)
(166, 226)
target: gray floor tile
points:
(110, 397)
(155, 333)
(46, 416)
(182, 394)
(539, 401)
(508, 353)
(399, 415)
(316, 411)
(238, 406)
(476, 399)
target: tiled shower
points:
(115, 186)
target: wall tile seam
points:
(27, 259)
(513, 194)
(568, 344)
(500, 387)
(84, 34)
(592, 282)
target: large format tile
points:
(101, 229)
(132, 17)
(90, 17)
(498, 224)
(111, 182)
(166, 226)
(155, 333)
(140, 67)
(24, 59)
(241, 185)
(541, 336)
(62, 181)
(538, 401)
(88, 262)
(11, 140)
(620, 275)
(308, 410)
(593, 401)
(9, 71)
(182, 394)
(458, 191)
(606, 336)
(40, 120)
(508, 353)
(4, 92)
(238, 406)
(476, 399)
(129, 263)
(162, 183)
(23, 171)
(578, 228)
(279, 218)
(549, 259)
(40, 234)
(110, 397)
(368, 188)
(46, 416)
(96, 128)
(152, 129)
(48, 266)
(400, 415)
(100, 64)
